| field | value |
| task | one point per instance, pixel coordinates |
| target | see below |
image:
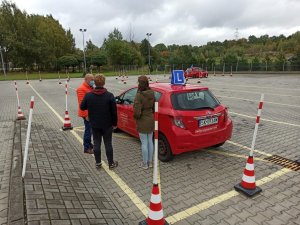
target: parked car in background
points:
(195, 72)
(190, 118)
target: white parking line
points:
(230, 90)
(264, 87)
(267, 120)
(250, 100)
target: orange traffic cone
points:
(248, 185)
(67, 122)
(20, 114)
(156, 215)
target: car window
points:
(157, 95)
(194, 100)
(128, 97)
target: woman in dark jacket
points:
(144, 116)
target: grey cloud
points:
(176, 21)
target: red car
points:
(190, 118)
(195, 72)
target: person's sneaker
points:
(113, 165)
(91, 146)
(150, 164)
(98, 165)
(89, 151)
(144, 165)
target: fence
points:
(167, 68)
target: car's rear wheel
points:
(164, 150)
(219, 145)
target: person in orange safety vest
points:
(81, 91)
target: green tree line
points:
(40, 43)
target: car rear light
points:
(178, 122)
(225, 114)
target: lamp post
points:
(149, 64)
(83, 30)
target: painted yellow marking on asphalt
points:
(221, 198)
(254, 92)
(273, 176)
(232, 155)
(250, 100)
(80, 127)
(122, 185)
(264, 87)
(267, 120)
(247, 148)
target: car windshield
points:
(194, 100)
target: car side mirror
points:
(118, 100)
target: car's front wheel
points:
(164, 150)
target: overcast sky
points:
(171, 21)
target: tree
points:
(144, 49)
(32, 41)
(90, 47)
(115, 35)
(160, 47)
(67, 61)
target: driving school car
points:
(190, 118)
(195, 72)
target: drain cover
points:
(287, 163)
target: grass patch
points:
(36, 76)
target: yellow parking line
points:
(273, 121)
(80, 130)
(295, 96)
(232, 155)
(221, 198)
(122, 185)
(250, 100)
(247, 148)
(80, 127)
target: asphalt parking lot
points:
(196, 187)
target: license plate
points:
(209, 121)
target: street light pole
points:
(149, 62)
(3, 66)
(83, 30)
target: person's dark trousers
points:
(87, 136)
(107, 138)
